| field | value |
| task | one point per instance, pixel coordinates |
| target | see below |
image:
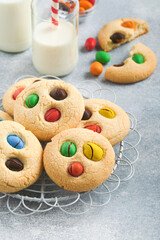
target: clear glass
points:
(15, 25)
(54, 49)
(84, 14)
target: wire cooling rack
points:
(45, 195)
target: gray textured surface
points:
(133, 213)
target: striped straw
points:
(54, 12)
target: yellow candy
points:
(92, 151)
(107, 112)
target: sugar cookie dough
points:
(139, 66)
(107, 119)
(20, 157)
(13, 92)
(90, 165)
(49, 107)
(120, 31)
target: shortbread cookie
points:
(107, 119)
(20, 157)
(5, 116)
(139, 66)
(79, 160)
(12, 93)
(49, 107)
(120, 31)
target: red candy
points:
(94, 128)
(17, 92)
(52, 115)
(75, 169)
(90, 44)
(92, 1)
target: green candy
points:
(103, 57)
(32, 100)
(68, 149)
(138, 58)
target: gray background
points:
(134, 210)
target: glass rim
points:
(68, 16)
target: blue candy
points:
(15, 141)
(1, 119)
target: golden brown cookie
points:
(79, 160)
(139, 66)
(120, 31)
(49, 107)
(12, 93)
(107, 119)
(5, 116)
(20, 157)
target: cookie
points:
(79, 160)
(107, 119)
(12, 93)
(139, 66)
(120, 31)
(5, 116)
(49, 107)
(20, 157)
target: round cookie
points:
(89, 167)
(139, 66)
(5, 116)
(46, 115)
(12, 93)
(20, 157)
(107, 119)
(120, 31)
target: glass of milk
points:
(55, 49)
(15, 25)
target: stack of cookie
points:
(80, 155)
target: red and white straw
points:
(54, 12)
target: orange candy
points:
(129, 24)
(81, 9)
(85, 4)
(96, 68)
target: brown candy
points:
(87, 114)
(64, 7)
(117, 37)
(14, 164)
(119, 65)
(58, 94)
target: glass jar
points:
(55, 48)
(15, 25)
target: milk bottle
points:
(55, 49)
(15, 25)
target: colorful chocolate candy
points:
(92, 151)
(1, 119)
(117, 37)
(75, 169)
(58, 94)
(96, 68)
(17, 92)
(15, 141)
(90, 44)
(107, 112)
(87, 114)
(138, 58)
(129, 24)
(52, 115)
(93, 127)
(32, 100)
(103, 57)
(14, 164)
(68, 149)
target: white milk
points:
(55, 50)
(15, 25)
